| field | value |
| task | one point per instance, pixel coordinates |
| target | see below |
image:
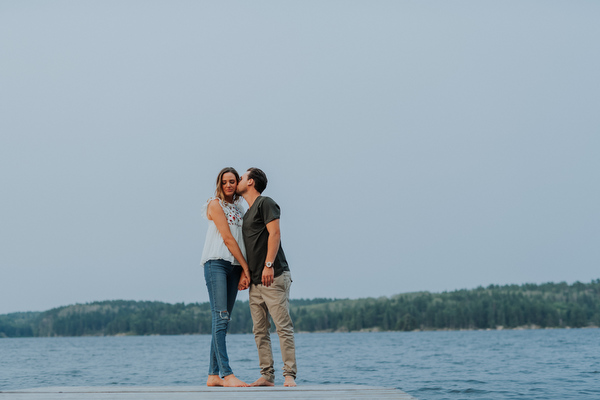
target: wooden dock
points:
(325, 392)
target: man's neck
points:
(250, 197)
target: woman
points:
(224, 261)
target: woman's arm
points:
(216, 214)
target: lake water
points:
(529, 364)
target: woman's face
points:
(229, 184)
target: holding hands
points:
(244, 281)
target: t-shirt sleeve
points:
(270, 210)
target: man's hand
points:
(244, 282)
(267, 276)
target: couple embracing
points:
(244, 251)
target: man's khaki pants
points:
(273, 300)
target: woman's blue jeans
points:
(222, 280)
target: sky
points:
(411, 145)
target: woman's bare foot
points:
(232, 381)
(262, 382)
(214, 380)
(289, 381)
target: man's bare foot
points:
(262, 382)
(214, 380)
(289, 381)
(232, 381)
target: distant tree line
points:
(550, 305)
(545, 306)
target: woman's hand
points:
(244, 282)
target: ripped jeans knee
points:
(224, 315)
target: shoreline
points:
(374, 330)
(499, 328)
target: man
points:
(270, 278)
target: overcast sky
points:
(411, 145)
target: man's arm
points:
(272, 249)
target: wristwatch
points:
(269, 264)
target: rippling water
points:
(530, 364)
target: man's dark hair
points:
(259, 177)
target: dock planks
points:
(325, 392)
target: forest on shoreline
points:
(549, 305)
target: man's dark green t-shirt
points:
(256, 237)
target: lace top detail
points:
(214, 247)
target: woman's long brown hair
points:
(219, 191)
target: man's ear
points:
(250, 182)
